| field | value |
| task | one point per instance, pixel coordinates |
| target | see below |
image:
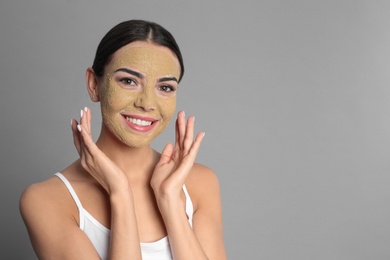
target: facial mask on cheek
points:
(115, 98)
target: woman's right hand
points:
(93, 160)
(124, 236)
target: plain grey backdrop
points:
(294, 97)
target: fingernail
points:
(184, 113)
(79, 128)
(85, 109)
(71, 121)
(81, 113)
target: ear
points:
(92, 84)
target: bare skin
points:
(132, 190)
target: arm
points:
(204, 187)
(124, 242)
(52, 224)
(167, 181)
(55, 233)
(206, 234)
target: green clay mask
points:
(140, 83)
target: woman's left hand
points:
(176, 162)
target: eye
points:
(128, 81)
(167, 88)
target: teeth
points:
(138, 121)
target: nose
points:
(146, 101)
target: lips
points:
(140, 124)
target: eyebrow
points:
(132, 72)
(168, 79)
(139, 75)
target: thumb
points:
(166, 154)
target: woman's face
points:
(138, 92)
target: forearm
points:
(124, 242)
(183, 241)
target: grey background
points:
(293, 96)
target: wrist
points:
(170, 205)
(121, 196)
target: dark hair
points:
(130, 31)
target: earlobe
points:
(92, 84)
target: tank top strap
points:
(189, 205)
(74, 196)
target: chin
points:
(136, 141)
(136, 144)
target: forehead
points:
(146, 57)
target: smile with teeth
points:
(138, 122)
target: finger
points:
(181, 123)
(82, 151)
(196, 145)
(88, 146)
(84, 119)
(193, 152)
(88, 151)
(189, 135)
(166, 155)
(188, 161)
(177, 135)
(76, 136)
(88, 116)
(86, 140)
(83, 131)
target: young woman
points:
(122, 199)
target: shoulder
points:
(52, 222)
(46, 206)
(48, 213)
(43, 197)
(201, 174)
(52, 194)
(50, 191)
(40, 192)
(202, 184)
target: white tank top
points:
(100, 235)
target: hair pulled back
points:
(131, 31)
